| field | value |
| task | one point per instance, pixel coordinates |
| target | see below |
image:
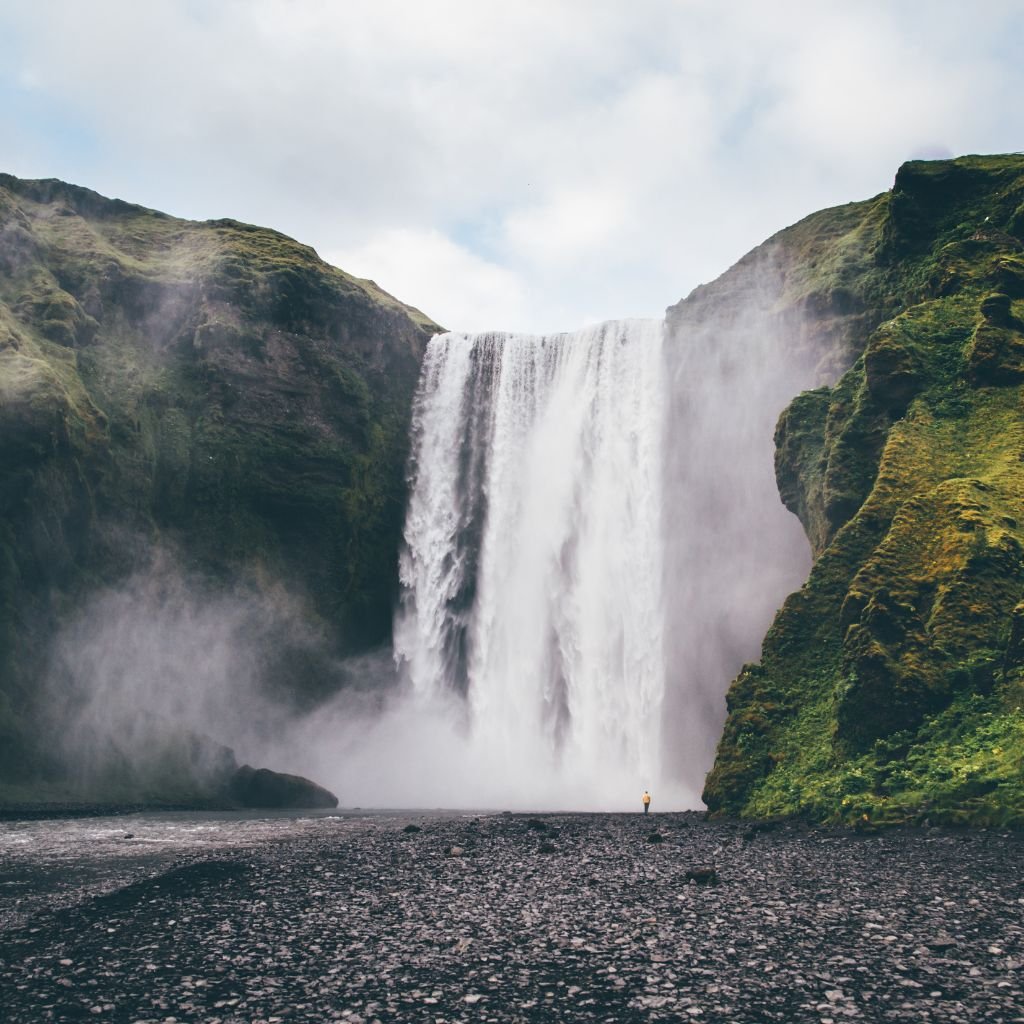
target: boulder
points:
(702, 876)
(260, 787)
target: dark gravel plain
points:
(553, 918)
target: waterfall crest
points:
(532, 570)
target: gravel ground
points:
(555, 918)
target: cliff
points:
(213, 390)
(213, 397)
(890, 686)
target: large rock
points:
(262, 788)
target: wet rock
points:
(260, 787)
(756, 828)
(341, 918)
(410, 829)
(702, 876)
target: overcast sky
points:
(529, 166)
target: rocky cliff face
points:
(218, 395)
(891, 685)
(214, 390)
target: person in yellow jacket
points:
(647, 801)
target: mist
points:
(733, 551)
(594, 546)
(157, 684)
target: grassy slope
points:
(891, 685)
(211, 386)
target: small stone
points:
(702, 876)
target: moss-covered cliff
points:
(217, 392)
(214, 388)
(891, 686)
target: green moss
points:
(890, 672)
(213, 386)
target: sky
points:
(530, 166)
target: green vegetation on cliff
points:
(891, 686)
(213, 388)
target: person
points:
(647, 801)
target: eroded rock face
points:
(212, 387)
(889, 686)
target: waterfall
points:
(532, 570)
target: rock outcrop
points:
(213, 388)
(263, 788)
(891, 685)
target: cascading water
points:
(594, 545)
(533, 564)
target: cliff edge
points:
(891, 685)
(213, 390)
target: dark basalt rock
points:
(260, 787)
(702, 876)
(909, 927)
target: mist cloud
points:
(154, 679)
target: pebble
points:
(361, 923)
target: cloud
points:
(599, 158)
(430, 271)
(566, 226)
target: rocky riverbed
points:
(504, 917)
